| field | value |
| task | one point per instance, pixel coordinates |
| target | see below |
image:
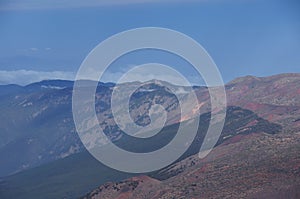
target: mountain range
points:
(260, 140)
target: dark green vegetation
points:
(66, 178)
(35, 125)
(76, 175)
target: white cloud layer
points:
(24, 77)
(53, 4)
(142, 74)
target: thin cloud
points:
(56, 4)
(24, 77)
(34, 49)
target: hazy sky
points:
(50, 39)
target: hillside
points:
(76, 175)
(255, 166)
(38, 136)
(37, 125)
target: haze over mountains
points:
(37, 128)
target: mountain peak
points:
(251, 78)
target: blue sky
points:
(51, 39)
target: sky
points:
(50, 39)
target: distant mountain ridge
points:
(37, 126)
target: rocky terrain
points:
(275, 98)
(256, 165)
(37, 128)
(248, 166)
